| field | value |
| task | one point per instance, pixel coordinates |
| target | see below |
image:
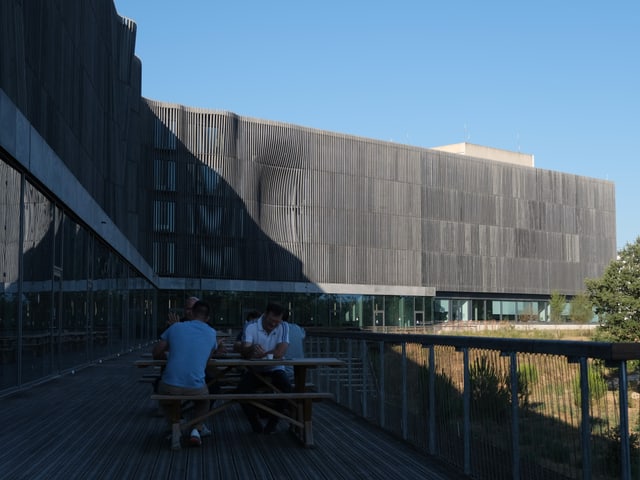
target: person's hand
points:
(221, 347)
(172, 318)
(258, 351)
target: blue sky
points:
(559, 80)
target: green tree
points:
(616, 296)
(556, 306)
(581, 308)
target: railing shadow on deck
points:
(494, 407)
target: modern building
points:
(115, 207)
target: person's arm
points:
(283, 344)
(252, 350)
(245, 349)
(220, 349)
(249, 349)
(160, 350)
(237, 345)
(280, 350)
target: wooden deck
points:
(100, 423)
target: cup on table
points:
(269, 356)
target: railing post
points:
(327, 349)
(585, 424)
(404, 392)
(365, 378)
(350, 373)
(337, 376)
(382, 385)
(515, 417)
(625, 455)
(466, 399)
(432, 400)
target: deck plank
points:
(101, 423)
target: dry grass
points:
(550, 416)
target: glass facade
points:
(67, 299)
(229, 308)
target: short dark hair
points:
(252, 315)
(200, 309)
(274, 308)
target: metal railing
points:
(494, 407)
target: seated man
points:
(187, 347)
(188, 312)
(252, 316)
(268, 335)
(296, 346)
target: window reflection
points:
(76, 300)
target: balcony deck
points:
(100, 423)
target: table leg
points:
(300, 379)
(306, 418)
(176, 436)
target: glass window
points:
(206, 137)
(74, 319)
(207, 180)
(509, 309)
(164, 254)
(164, 132)
(10, 180)
(164, 175)
(37, 283)
(164, 216)
(441, 309)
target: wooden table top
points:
(243, 362)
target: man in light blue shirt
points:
(187, 347)
(296, 346)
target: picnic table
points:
(300, 416)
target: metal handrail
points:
(581, 353)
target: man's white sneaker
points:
(205, 432)
(194, 439)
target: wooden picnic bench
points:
(300, 413)
(300, 417)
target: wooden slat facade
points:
(269, 201)
(100, 423)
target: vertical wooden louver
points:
(260, 200)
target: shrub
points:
(489, 393)
(527, 375)
(611, 460)
(556, 306)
